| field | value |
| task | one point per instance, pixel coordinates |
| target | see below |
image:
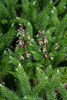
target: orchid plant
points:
(42, 48)
(22, 42)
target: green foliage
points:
(63, 71)
(62, 6)
(45, 81)
(2, 98)
(5, 64)
(5, 41)
(33, 14)
(10, 95)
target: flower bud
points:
(30, 44)
(57, 46)
(42, 27)
(20, 25)
(51, 58)
(28, 37)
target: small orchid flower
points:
(21, 57)
(40, 49)
(45, 40)
(44, 48)
(57, 46)
(27, 54)
(40, 41)
(28, 37)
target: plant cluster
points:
(33, 60)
